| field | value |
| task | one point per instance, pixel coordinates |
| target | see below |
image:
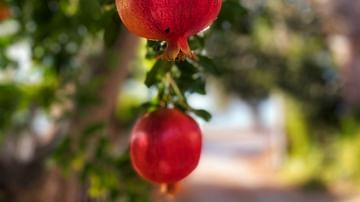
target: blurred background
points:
(282, 87)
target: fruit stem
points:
(177, 90)
(163, 93)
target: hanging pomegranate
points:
(4, 12)
(173, 21)
(165, 146)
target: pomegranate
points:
(4, 12)
(173, 21)
(165, 146)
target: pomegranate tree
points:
(165, 146)
(173, 21)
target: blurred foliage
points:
(109, 175)
(279, 47)
(61, 36)
(256, 48)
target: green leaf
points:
(181, 106)
(192, 85)
(154, 48)
(208, 65)
(190, 79)
(185, 67)
(156, 45)
(157, 72)
(202, 114)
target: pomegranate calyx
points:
(177, 49)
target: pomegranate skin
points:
(168, 20)
(165, 146)
(4, 12)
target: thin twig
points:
(177, 90)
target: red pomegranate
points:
(165, 146)
(4, 12)
(173, 21)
